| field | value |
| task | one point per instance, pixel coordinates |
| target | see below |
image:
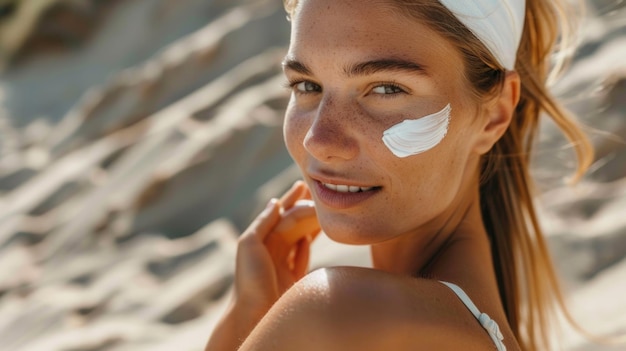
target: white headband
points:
(497, 23)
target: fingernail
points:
(305, 203)
(270, 205)
(296, 184)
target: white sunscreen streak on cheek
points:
(412, 137)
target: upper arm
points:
(354, 309)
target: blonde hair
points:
(527, 281)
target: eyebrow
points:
(296, 66)
(363, 68)
(383, 65)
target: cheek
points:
(433, 178)
(294, 130)
(427, 189)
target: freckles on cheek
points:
(294, 130)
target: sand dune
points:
(140, 137)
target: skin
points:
(423, 220)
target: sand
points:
(140, 137)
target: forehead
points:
(339, 30)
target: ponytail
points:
(527, 281)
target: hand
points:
(273, 253)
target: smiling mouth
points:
(348, 188)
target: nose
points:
(331, 136)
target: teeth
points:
(343, 188)
(346, 188)
(331, 186)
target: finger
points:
(264, 222)
(297, 223)
(301, 259)
(285, 248)
(292, 195)
(278, 249)
(285, 279)
(305, 203)
(307, 193)
(300, 209)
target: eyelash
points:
(393, 86)
(291, 85)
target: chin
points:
(351, 233)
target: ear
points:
(499, 113)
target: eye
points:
(305, 87)
(388, 89)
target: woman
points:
(412, 123)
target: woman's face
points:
(356, 69)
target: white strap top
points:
(489, 324)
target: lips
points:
(338, 194)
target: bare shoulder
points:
(348, 308)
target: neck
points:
(415, 253)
